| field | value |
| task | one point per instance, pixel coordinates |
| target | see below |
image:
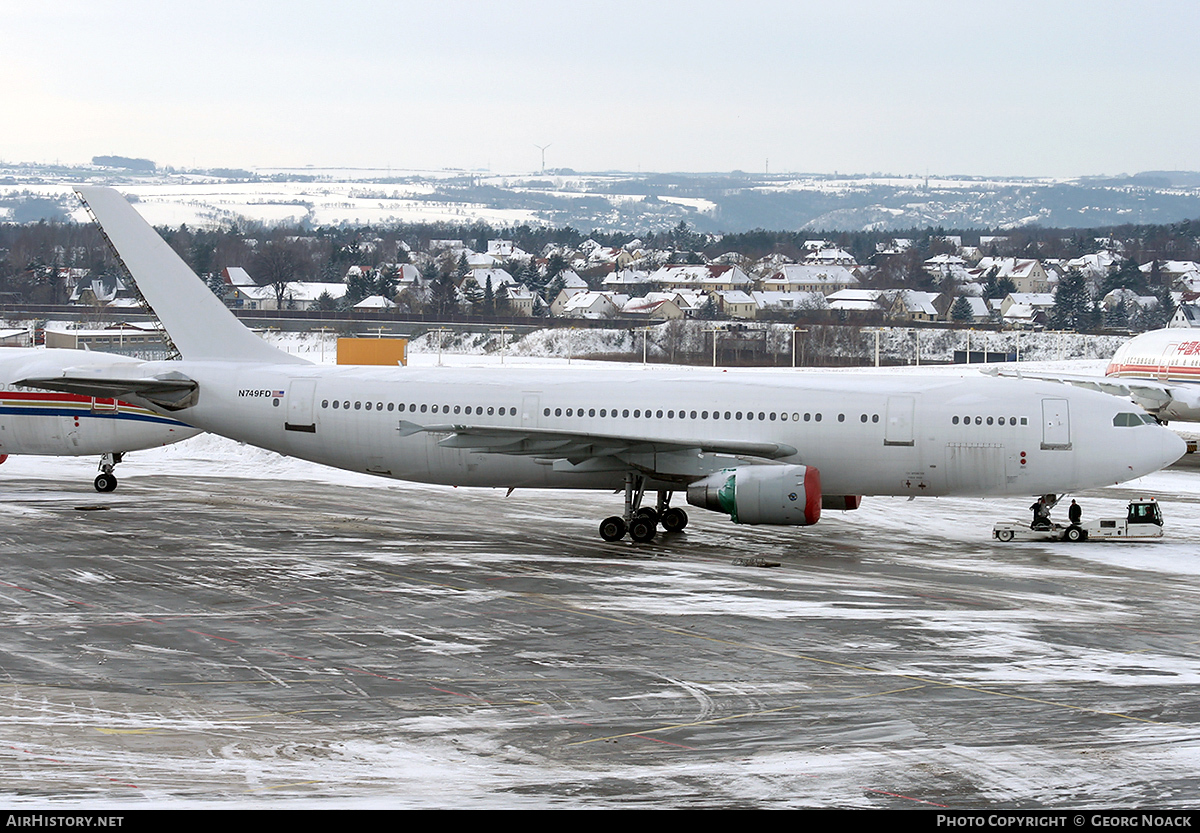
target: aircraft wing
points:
(1158, 398)
(171, 391)
(590, 452)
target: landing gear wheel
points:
(1074, 534)
(1005, 535)
(642, 530)
(612, 529)
(674, 519)
(649, 514)
(105, 482)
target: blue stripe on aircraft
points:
(67, 412)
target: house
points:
(1095, 267)
(654, 305)
(1187, 311)
(736, 303)
(913, 305)
(703, 277)
(947, 266)
(507, 250)
(376, 303)
(774, 301)
(804, 277)
(297, 295)
(1026, 309)
(831, 256)
(1028, 276)
(856, 300)
(625, 280)
(1184, 273)
(592, 305)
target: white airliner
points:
(1159, 371)
(70, 424)
(765, 448)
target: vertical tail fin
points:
(201, 326)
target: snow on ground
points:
(416, 759)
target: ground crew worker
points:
(1075, 513)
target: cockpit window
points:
(1127, 419)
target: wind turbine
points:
(542, 148)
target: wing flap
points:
(587, 451)
(1154, 397)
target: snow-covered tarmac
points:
(233, 628)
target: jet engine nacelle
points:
(762, 494)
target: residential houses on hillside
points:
(601, 281)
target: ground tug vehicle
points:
(1143, 521)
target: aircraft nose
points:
(1159, 449)
(1172, 447)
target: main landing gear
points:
(642, 522)
(106, 481)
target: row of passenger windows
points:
(1120, 420)
(979, 420)
(637, 413)
(358, 405)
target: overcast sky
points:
(1014, 88)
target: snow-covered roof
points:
(374, 302)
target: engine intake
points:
(788, 495)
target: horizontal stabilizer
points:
(169, 391)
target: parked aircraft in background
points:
(763, 448)
(75, 425)
(1159, 371)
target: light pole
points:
(503, 342)
(795, 330)
(714, 332)
(441, 333)
(645, 338)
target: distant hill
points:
(126, 163)
(627, 202)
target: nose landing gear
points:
(106, 481)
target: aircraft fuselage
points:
(868, 434)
